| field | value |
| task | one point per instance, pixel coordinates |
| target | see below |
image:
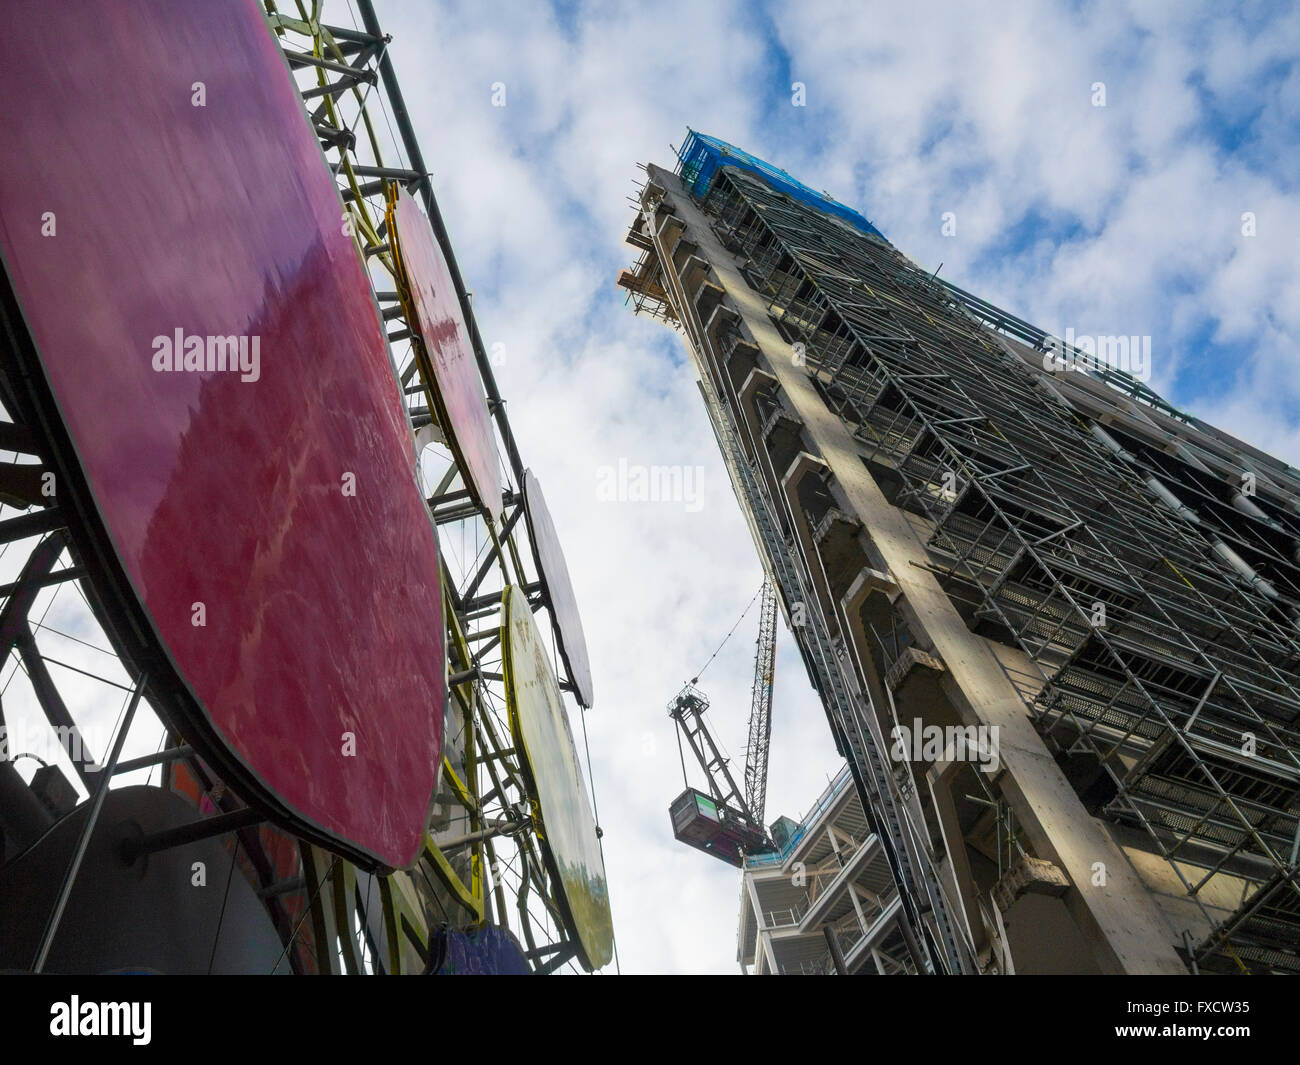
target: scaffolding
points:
(715, 340)
(1147, 565)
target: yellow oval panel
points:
(553, 775)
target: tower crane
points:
(724, 821)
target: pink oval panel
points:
(442, 327)
(164, 203)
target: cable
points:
(600, 841)
(221, 918)
(307, 910)
(700, 672)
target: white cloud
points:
(980, 109)
(984, 110)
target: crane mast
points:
(723, 822)
(760, 712)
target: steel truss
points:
(1156, 598)
(483, 861)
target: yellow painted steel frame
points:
(406, 931)
(330, 881)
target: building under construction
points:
(825, 900)
(981, 534)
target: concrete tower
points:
(1053, 620)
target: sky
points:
(974, 137)
(1122, 219)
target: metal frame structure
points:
(760, 708)
(825, 903)
(482, 861)
(1144, 564)
(694, 304)
(687, 710)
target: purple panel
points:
(322, 611)
(555, 572)
(489, 951)
(455, 371)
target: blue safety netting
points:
(701, 155)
